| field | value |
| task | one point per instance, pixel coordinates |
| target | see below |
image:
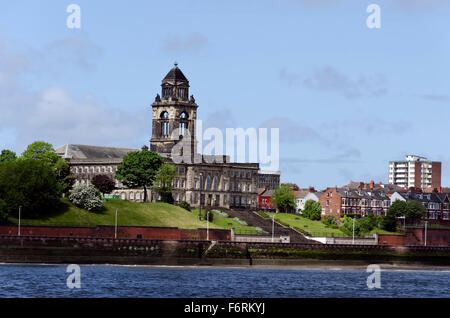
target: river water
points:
(141, 281)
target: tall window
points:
(167, 91)
(202, 182)
(208, 182)
(182, 93)
(183, 123)
(165, 128)
(216, 183)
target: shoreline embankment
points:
(70, 250)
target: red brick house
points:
(340, 201)
(265, 199)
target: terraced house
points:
(202, 180)
(341, 201)
(437, 204)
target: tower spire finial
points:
(175, 64)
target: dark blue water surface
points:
(139, 281)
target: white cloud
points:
(53, 114)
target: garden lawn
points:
(228, 223)
(316, 228)
(129, 214)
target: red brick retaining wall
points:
(416, 237)
(159, 233)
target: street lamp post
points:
(20, 212)
(115, 228)
(426, 223)
(207, 225)
(273, 226)
(353, 231)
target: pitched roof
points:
(386, 188)
(362, 194)
(301, 194)
(422, 197)
(175, 75)
(71, 151)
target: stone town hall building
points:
(206, 180)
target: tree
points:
(351, 226)
(86, 197)
(368, 223)
(138, 169)
(389, 223)
(398, 208)
(3, 212)
(103, 183)
(312, 210)
(41, 150)
(7, 155)
(293, 186)
(63, 175)
(185, 205)
(284, 198)
(163, 182)
(416, 210)
(31, 184)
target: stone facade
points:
(201, 181)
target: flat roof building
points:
(415, 172)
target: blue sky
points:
(347, 99)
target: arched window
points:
(138, 196)
(165, 128)
(208, 182)
(132, 196)
(183, 123)
(202, 182)
(123, 196)
(216, 183)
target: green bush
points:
(389, 223)
(330, 221)
(312, 210)
(367, 223)
(348, 226)
(185, 205)
(87, 197)
(204, 214)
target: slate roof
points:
(265, 193)
(301, 194)
(71, 151)
(175, 75)
(362, 194)
(386, 188)
(421, 197)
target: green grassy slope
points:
(129, 214)
(316, 228)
